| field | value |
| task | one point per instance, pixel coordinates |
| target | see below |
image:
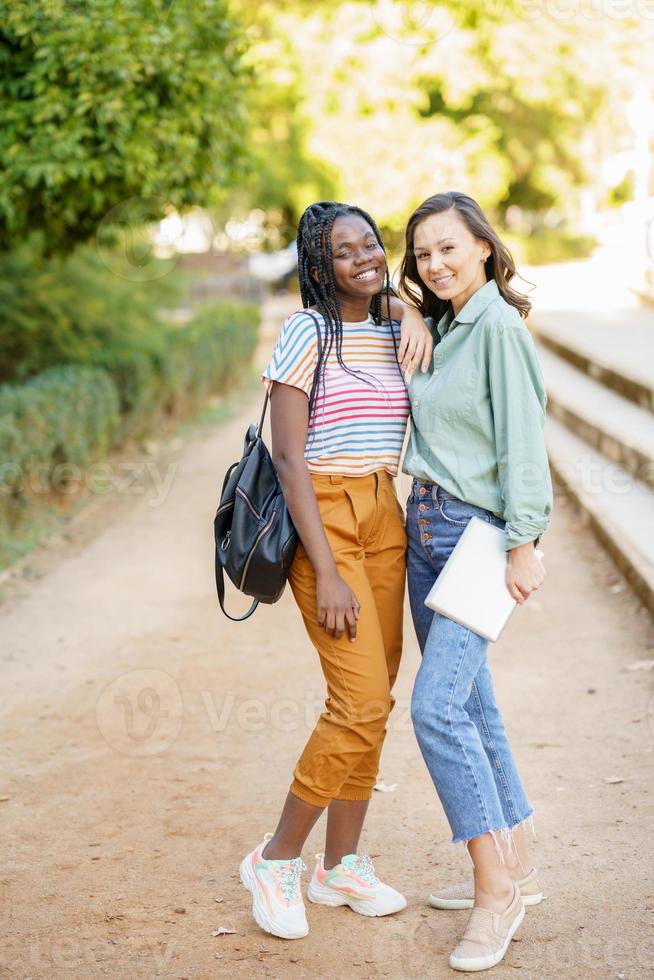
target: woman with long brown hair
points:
(476, 450)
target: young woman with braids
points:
(339, 409)
(476, 450)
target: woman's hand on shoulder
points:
(338, 607)
(416, 342)
(525, 572)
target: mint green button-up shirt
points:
(477, 416)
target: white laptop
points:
(472, 588)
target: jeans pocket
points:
(458, 512)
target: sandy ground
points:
(148, 744)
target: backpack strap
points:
(220, 588)
(220, 577)
(263, 412)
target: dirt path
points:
(149, 743)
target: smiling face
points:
(450, 260)
(359, 261)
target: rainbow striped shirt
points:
(357, 424)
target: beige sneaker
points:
(461, 896)
(487, 936)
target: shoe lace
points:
(288, 874)
(365, 869)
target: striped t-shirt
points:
(357, 424)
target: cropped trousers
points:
(364, 525)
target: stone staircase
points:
(599, 371)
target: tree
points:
(108, 101)
(282, 177)
(515, 103)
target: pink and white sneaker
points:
(277, 903)
(353, 882)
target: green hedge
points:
(80, 310)
(75, 310)
(208, 354)
(179, 367)
(75, 413)
(51, 429)
(65, 415)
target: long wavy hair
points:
(314, 251)
(499, 264)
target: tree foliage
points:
(117, 110)
(281, 176)
(104, 101)
(519, 104)
(536, 131)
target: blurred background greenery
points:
(534, 106)
(151, 150)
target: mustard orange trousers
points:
(364, 524)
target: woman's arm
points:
(338, 607)
(416, 342)
(518, 400)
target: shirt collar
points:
(472, 309)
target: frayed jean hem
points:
(460, 838)
(505, 832)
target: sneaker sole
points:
(486, 962)
(454, 904)
(259, 911)
(320, 895)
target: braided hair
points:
(314, 250)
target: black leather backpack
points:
(255, 540)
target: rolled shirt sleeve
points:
(518, 400)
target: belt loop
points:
(336, 479)
(434, 493)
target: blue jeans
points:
(455, 717)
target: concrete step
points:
(618, 508)
(619, 429)
(615, 348)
